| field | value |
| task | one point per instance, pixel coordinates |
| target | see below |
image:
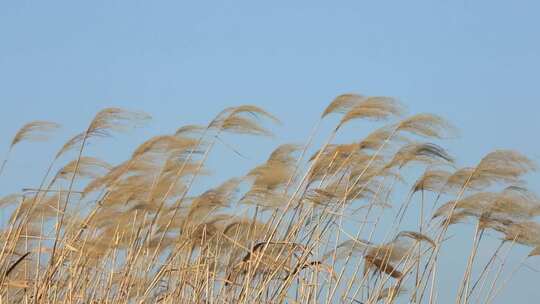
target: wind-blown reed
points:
(321, 230)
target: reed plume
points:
(292, 229)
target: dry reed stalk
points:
(136, 234)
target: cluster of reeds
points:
(295, 229)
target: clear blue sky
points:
(475, 62)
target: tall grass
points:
(347, 224)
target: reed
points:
(294, 229)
